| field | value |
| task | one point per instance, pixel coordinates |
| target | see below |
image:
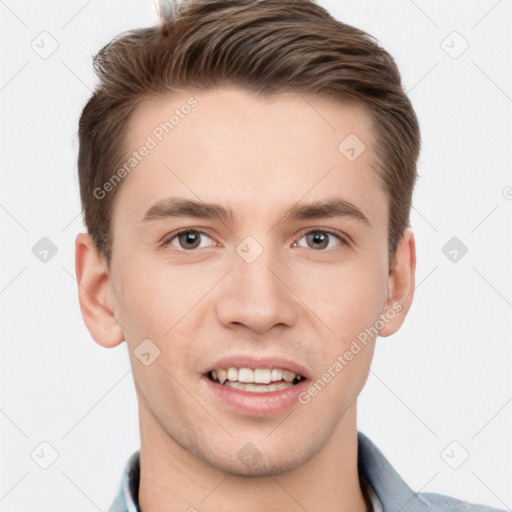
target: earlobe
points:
(95, 294)
(401, 283)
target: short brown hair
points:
(263, 46)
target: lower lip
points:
(254, 403)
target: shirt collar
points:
(127, 499)
(393, 493)
(385, 483)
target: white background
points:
(445, 376)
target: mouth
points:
(255, 386)
(255, 380)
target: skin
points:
(301, 300)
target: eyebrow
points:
(179, 207)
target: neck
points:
(173, 479)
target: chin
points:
(250, 462)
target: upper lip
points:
(248, 361)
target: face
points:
(250, 299)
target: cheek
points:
(154, 298)
(153, 308)
(344, 298)
(343, 377)
(157, 303)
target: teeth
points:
(221, 375)
(288, 376)
(248, 376)
(277, 374)
(262, 376)
(245, 375)
(232, 374)
(257, 389)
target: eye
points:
(186, 239)
(189, 239)
(320, 239)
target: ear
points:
(95, 293)
(401, 282)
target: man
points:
(246, 175)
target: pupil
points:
(319, 238)
(191, 239)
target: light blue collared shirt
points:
(387, 491)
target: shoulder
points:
(395, 495)
(442, 503)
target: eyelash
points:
(167, 241)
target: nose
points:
(257, 295)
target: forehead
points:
(231, 146)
